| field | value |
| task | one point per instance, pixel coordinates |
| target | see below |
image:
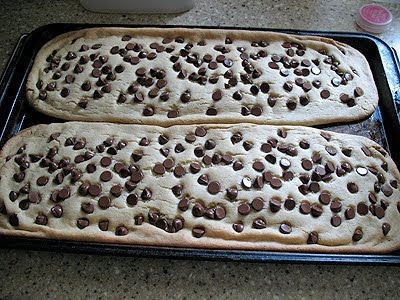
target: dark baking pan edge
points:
(11, 73)
(196, 254)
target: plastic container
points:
(137, 6)
(374, 18)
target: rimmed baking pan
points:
(383, 127)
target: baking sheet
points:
(383, 127)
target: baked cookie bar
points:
(185, 76)
(216, 186)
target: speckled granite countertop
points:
(36, 275)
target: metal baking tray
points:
(383, 127)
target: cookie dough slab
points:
(183, 76)
(206, 186)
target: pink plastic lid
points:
(374, 18)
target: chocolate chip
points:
(87, 208)
(387, 190)
(232, 192)
(316, 158)
(161, 83)
(103, 225)
(179, 171)
(325, 198)
(132, 199)
(211, 111)
(177, 224)
(336, 206)
(212, 65)
(159, 169)
(116, 190)
(198, 232)
(238, 227)
(331, 150)
(244, 209)
(237, 95)
(183, 204)
(394, 183)
(385, 228)
(41, 219)
(148, 111)
(256, 111)
(270, 158)
(146, 194)
(104, 202)
(19, 177)
(258, 166)
(358, 92)
(195, 167)
(247, 145)
(276, 183)
(57, 211)
(238, 165)
(24, 204)
(94, 189)
(357, 235)
(219, 213)
(177, 190)
(13, 196)
(198, 210)
(25, 189)
(284, 72)
(259, 224)
(352, 187)
(34, 197)
(153, 93)
(172, 114)
(325, 94)
(288, 87)
(214, 187)
(168, 163)
(254, 90)
(185, 97)
(336, 221)
(236, 138)
(43, 180)
(153, 217)
(362, 209)
(284, 163)
(164, 151)
(106, 176)
(305, 208)
(121, 231)
(378, 211)
(217, 95)
(130, 185)
(106, 88)
(245, 111)
(151, 55)
(312, 238)
(246, 182)
(349, 213)
(285, 229)
(42, 95)
(306, 164)
(162, 139)
(266, 148)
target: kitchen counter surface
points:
(29, 274)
